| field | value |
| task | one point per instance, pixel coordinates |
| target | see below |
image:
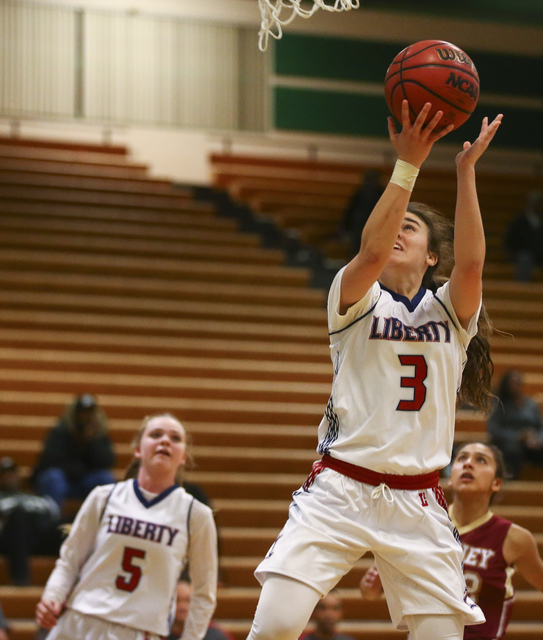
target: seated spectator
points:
(184, 592)
(524, 237)
(28, 524)
(326, 616)
(3, 626)
(77, 454)
(516, 425)
(360, 206)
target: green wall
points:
(360, 112)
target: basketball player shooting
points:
(402, 344)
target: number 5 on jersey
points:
(134, 571)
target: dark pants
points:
(55, 483)
(25, 533)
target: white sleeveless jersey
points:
(124, 556)
(397, 369)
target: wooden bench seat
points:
(107, 184)
(272, 513)
(171, 327)
(12, 147)
(381, 630)
(240, 603)
(185, 225)
(238, 436)
(32, 401)
(141, 364)
(63, 167)
(235, 572)
(517, 344)
(229, 389)
(170, 269)
(210, 458)
(39, 194)
(157, 308)
(119, 342)
(211, 247)
(49, 215)
(138, 287)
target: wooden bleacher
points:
(120, 285)
(310, 197)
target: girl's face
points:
(411, 248)
(474, 470)
(163, 445)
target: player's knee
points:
(435, 627)
(277, 629)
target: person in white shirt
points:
(400, 346)
(118, 569)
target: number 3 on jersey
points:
(130, 584)
(415, 382)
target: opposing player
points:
(399, 346)
(118, 569)
(493, 546)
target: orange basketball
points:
(433, 71)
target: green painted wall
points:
(522, 12)
(316, 58)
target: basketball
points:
(433, 71)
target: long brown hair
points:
(134, 465)
(476, 387)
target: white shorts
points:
(72, 625)
(336, 521)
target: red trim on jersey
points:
(440, 497)
(394, 481)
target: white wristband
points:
(404, 175)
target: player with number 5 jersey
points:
(118, 569)
(406, 346)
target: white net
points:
(277, 13)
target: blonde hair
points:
(134, 465)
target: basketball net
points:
(277, 13)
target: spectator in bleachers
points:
(360, 206)
(516, 424)
(184, 594)
(3, 626)
(28, 524)
(326, 616)
(77, 454)
(524, 237)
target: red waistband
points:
(423, 481)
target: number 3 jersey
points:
(397, 368)
(125, 553)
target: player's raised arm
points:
(469, 238)
(413, 144)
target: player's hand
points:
(47, 613)
(415, 141)
(370, 585)
(472, 152)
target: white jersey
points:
(397, 369)
(125, 553)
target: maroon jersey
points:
(488, 576)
